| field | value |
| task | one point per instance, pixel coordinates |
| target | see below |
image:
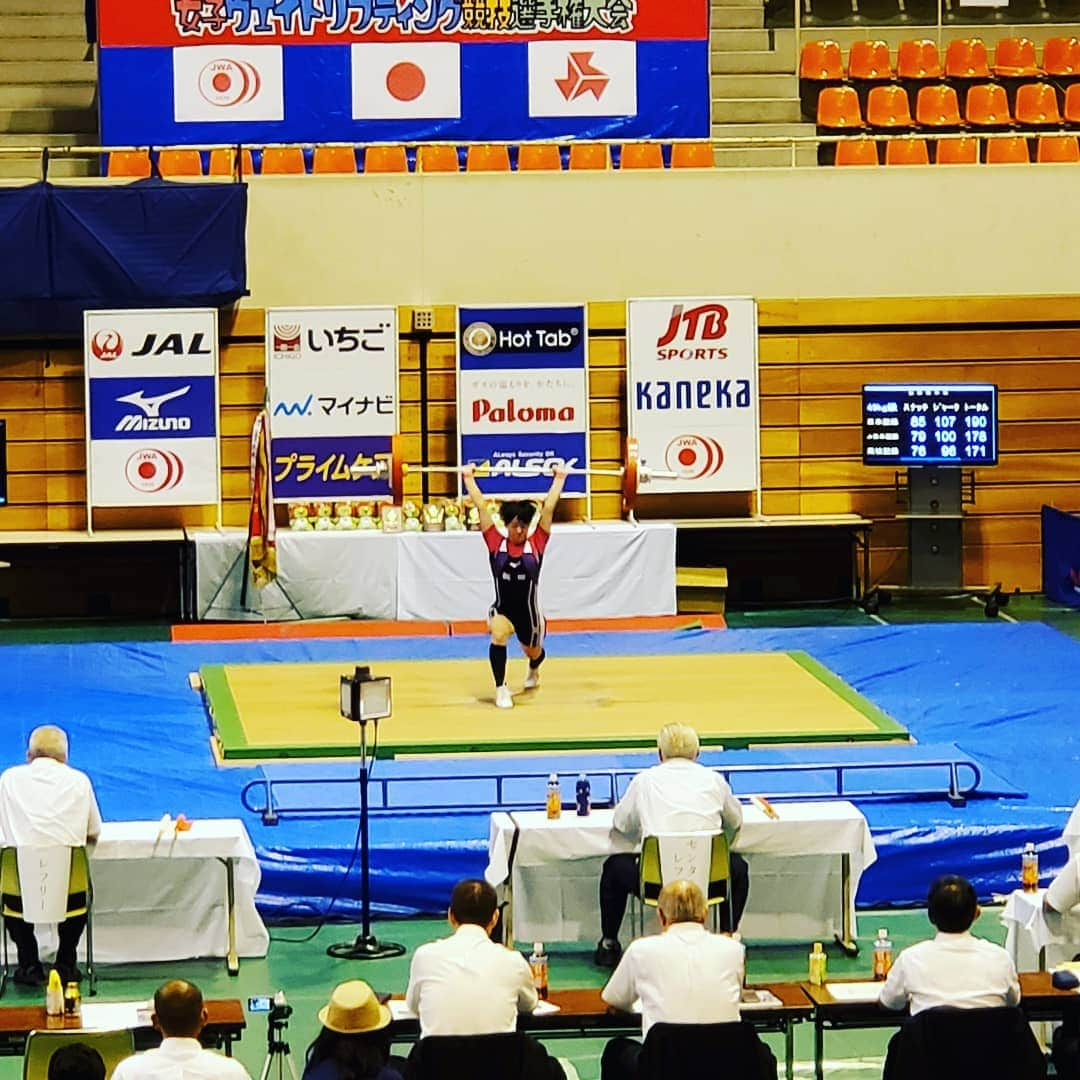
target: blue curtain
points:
(1061, 556)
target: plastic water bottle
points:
(538, 965)
(818, 965)
(584, 795)
(882, 955)
(554, 799)
(1029, 869)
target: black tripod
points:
(366, 946)
(278, 1054)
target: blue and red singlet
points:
(516, 570)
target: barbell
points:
(394, 468)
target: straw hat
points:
(354, 1009)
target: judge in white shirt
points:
(677, 796)
(180, 1016)
(954, 968)
(46, 803)
(466, 984)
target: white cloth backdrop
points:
(609, 569)
(163, 897)
(795, 881)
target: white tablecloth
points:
(607, 569)
(164, 898)
(1028, 930)
(795, 881)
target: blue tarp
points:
(148, 244)
(1003, 693)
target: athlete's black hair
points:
(521, 509)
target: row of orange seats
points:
(965, 58)
(1013, 150)
(291, 160)
(986, 106)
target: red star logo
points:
(582, 78)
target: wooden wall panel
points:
(814, 356)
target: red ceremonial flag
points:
(406, 81)
(262, 545)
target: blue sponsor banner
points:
(497, 338)
(1061, 556)
(137, 106)
(504, 454)
(318, 468)
(178, 407)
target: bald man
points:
(180, 1016)
(46, 803)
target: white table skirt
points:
(608, 569)
(795, 878)
(1028, 931)
(165, 898)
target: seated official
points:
(954, 968)
(354, 1043)
(677, 796)
(76, 1061)
(46, 803)
(180, 1017)
(683, 975)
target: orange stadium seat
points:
(385, 159)
(1058, 148)
(436, 158)
(1072, 104)
(937, 107)
(485, 158)
(1061, 56)
(918, 60)
(180, 163)
(838, 107)
(1037, 106)
(965, 58)
(283, 161)
(869, 61)
(641, 155)
(856, 152)
(821, 61)
(962, 151)
(223, 162)
(906, 152)
(887, 108)
(539, 157)
(1015, 57)
(134, 164)
(589, 156)
(1007, 151)
(987, 106)
(333, 159)
(692, 155)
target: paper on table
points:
(854, 991)
(115, 1015)
(761, 999)
(399, 1010)
(545, 1008)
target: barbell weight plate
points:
(630, 476)
(397, 471)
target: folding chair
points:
(79, 891)
(113, 1046)
(699, 857)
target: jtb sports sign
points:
(332, 379)
(151, 407)
(693, 392)
(522, 395)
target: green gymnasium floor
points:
(306, 974)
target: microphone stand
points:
(366, 946)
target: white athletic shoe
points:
(503, 698)
(532, 679)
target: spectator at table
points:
(354, 1043)
(677, 796)
(76, 1061)
(46, 803)
(683, 975)
(954, 968)
(180, 1016)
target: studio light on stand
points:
(365, 700)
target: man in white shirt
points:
(466, 984)
(46, 803)
(677, 796)
(180, 1016)
(953, 968)
(1063, 894)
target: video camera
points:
(278, 1010)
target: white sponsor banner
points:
(582, 78)
(152, 407)
(332, 371)
(226, 83)
(692, 390)
(393, 81)
(522, 401)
